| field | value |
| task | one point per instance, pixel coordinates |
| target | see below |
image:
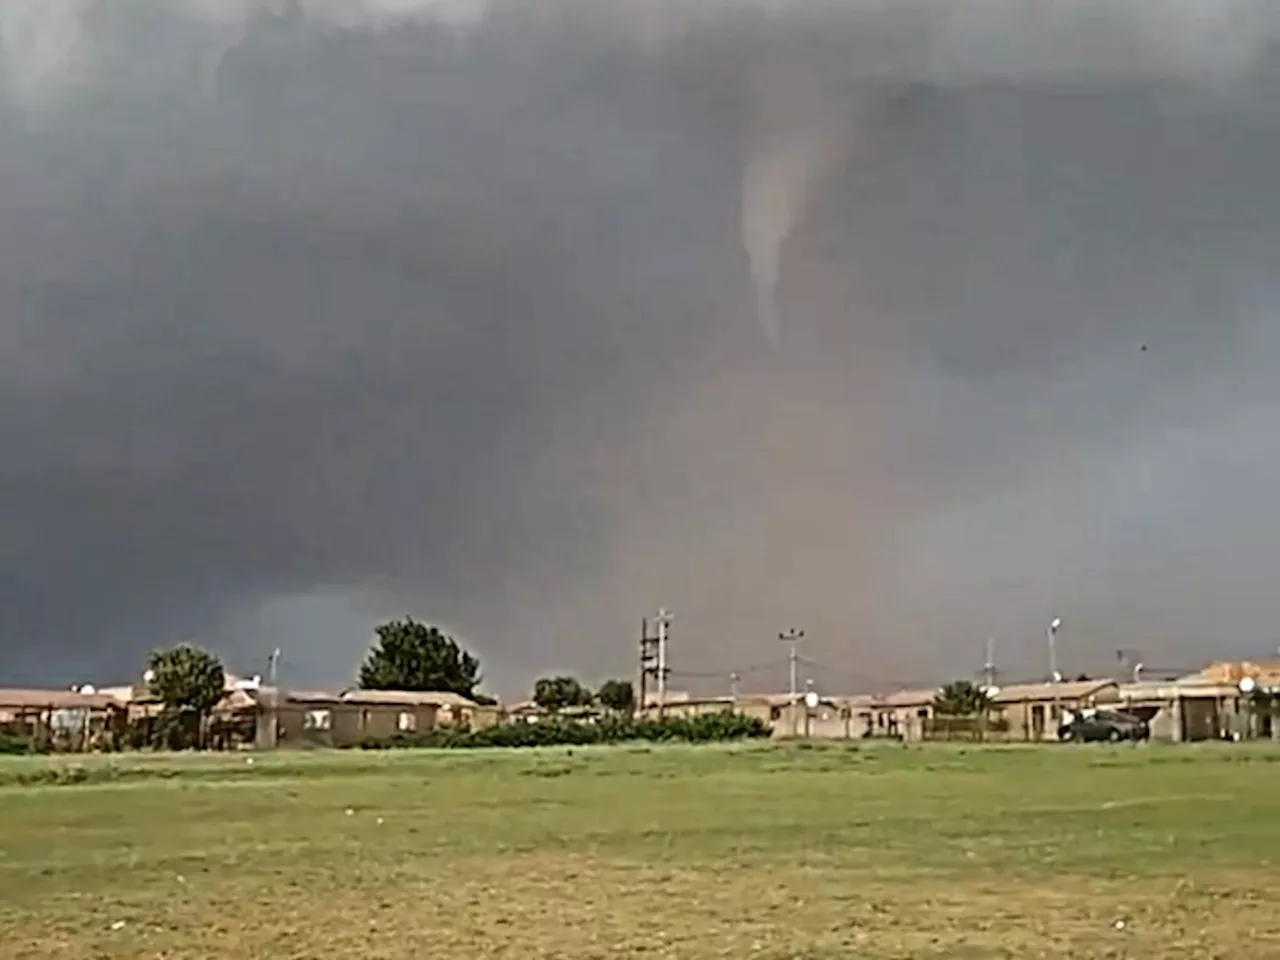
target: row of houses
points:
(250, 715)
(1209, 705)
(1215, 703)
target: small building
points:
(901, 715)
(62, 719)
(1035, 711)
(1207, 705)
(350, 717)
(452, 709)
(321, 718)
(829, 719)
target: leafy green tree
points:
(190, 682)
(557, 693)
(617, 695)
(961, 698)
(408, 655)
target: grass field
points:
(760, 851)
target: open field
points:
(757, 851)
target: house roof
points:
(418, 698)
(904, 698)
(1073, 690)
(312, 696)
(1169, 689)
(55, 700)
(1232, 672)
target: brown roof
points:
(1228, 672)
(416, 698)
(55, 700)
(312, 696)
(1169, 689)
(906, 698)
(1073, 690)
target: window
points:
(407, 722)
(317, 720)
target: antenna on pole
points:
(273, 663)
(989, 667)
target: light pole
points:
(1054, 677)
(1051, 634)
(793, 637)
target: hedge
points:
(707, 728)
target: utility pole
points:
(273, 664)
(648, 662)
(989, 668)
(792, 636)
(734, 680)
(663, 621)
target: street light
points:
(1052, 636)
(1054, 676)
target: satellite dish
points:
(811, 699)
(991, 692)
(1248, 685)
(149, 676)
(87, 688)
(1057, 622)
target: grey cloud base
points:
(404, 316)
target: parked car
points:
(1109, 725)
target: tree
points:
(556, 693)
(617, 695)
(961, 698)
(187, 680)
(408, 655)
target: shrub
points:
(13, 742)
(557, 732)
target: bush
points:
(559, 732)
(14, 742)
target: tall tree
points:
(189, 681)
(556, 693)
(408, 655)
(617, 695)
(961, 698)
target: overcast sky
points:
(453, 309)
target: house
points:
(1211, 704)
(828, 719)
(323, 718)
(452, 709)
(903, 714)
(69, 719)
(350, 717)
(1035, 711)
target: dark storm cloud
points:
(449, 311)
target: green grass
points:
(757, 851)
